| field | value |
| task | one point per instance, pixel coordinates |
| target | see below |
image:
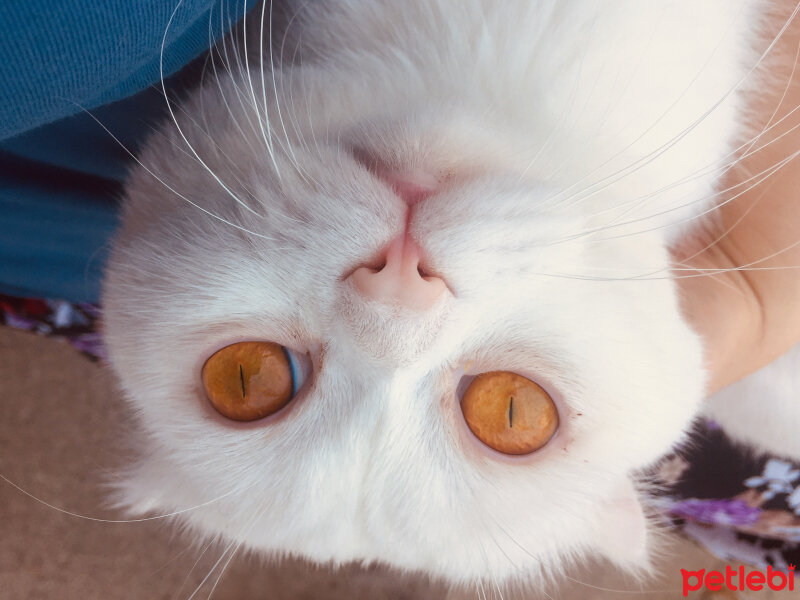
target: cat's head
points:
(260, 237)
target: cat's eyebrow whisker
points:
(504, 553)
(137, 520)
(191, 570)
(177, 555)
(562, 574)
(479, 588)
(212, 569)
(243, 533)
(503, 530)
(617, 591)
(232, 555)
(482, 550)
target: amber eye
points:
(509, 413)
(252, 380)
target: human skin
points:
(739, 274)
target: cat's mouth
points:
(412, 184)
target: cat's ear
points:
(621, 529)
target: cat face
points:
(253, 234)
(372, 458)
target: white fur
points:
(763, 410)
(575, 138)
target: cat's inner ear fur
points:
(621, 529)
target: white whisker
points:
(99, 520)
(170, 188)
(175, 120)
(177, 593)
(636, 165)
(265, 120)
(228, 549)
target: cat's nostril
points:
(401, 280)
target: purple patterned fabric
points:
(717, 512)
(77, 323)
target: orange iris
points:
(509, 413)
(248, 380)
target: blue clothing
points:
(60, 171)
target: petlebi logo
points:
(736, 579)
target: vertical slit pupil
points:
(241, 379)
(511, 412)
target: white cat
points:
(418, 193)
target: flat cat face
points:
(255, 237)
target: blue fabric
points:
(60, 172)
(54, 233)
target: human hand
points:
(739, 275)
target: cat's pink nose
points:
(400, 280)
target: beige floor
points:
(59, 417)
